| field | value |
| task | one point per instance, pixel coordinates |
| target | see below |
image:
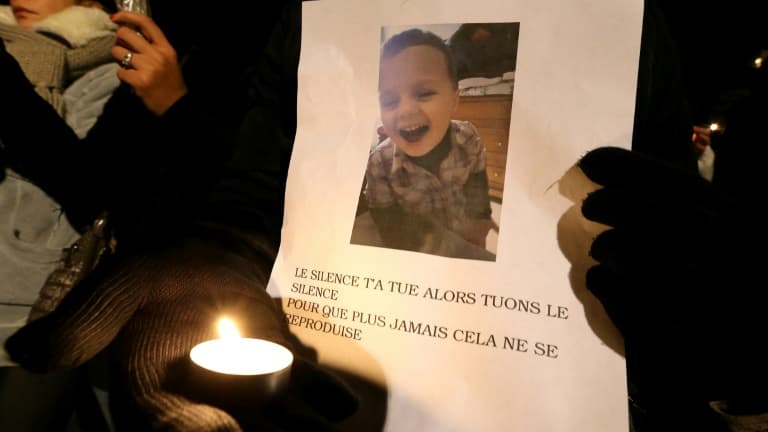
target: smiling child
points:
(429, 174)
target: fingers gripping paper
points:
(421, 248)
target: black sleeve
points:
(249, 190)
(663, 124)
(40, 146)
(125, 161)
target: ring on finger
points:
(126, 60)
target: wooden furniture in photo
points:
(490, 115)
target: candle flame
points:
(714, 127)
(227, 329)
(758, 62)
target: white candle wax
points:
(241, 356)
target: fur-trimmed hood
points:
(77, 25)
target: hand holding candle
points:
(241, 356)
(153, 308)
(185, 258)
(240, 372)
(232, 354)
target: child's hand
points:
(476, 230)
(148, 60)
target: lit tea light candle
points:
(232, 354)
(237, 371)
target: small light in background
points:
(760, 59)
(714, 127)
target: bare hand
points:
(701, 138)
(153, 71)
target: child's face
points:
(417, 98)
(28, 12)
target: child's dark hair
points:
(417, 37)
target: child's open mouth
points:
(415, 133)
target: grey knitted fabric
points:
(51, 64)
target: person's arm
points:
(677, 246)
(478, 200)
(132, 158)
(662, 123)
(476, 188)
(478, 221)
(117, 162)
(39, 145)
(226, 143)
(153, 301)
(398, 229)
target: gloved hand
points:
(153, 306)
(680, 273)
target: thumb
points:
(85, 322)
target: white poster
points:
(420, 247)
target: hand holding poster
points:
(420, 247)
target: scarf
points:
(59, 49)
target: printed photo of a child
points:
(426, 186)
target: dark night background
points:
(718, 42)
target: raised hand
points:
(678, 272)
(149, 62)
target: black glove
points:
(680, 274)
(153, 306)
